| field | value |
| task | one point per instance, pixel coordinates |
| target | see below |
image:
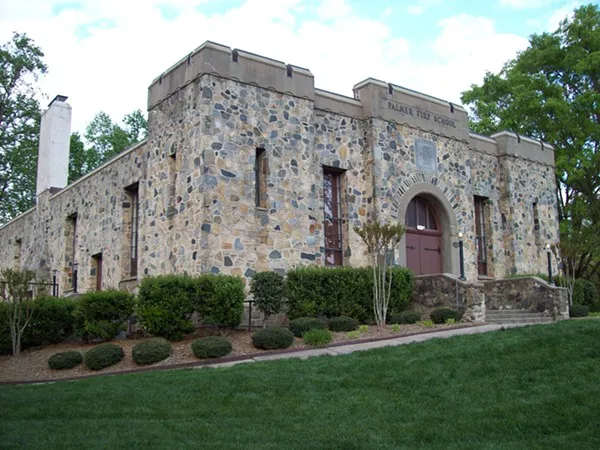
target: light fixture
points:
(461, 255)
(548, 247)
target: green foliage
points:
(450, 321)
(578, 310)
(52, 322)
(427, 323)
(102, 314)
(268, 290)
(363, 329)
(19, 310)
(406, 317)
(220, 300)
(440, 315)
(272, 338)
(102, 356)
(65, 360)
(211, 347)
(342, 291)
(301, 325)
(550, 92)
(21, 63)
(151, 351)
(317, 337)
(395, 328)
(343, 323)
(353, 334)
(165, 305)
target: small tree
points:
(380, 240)
(15, 291)
(268, 291)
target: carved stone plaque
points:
(426, 155)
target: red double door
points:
(424, 252)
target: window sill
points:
(128, 279)
(485, 278)
(260, 208)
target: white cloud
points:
(526, 4)
(560, 14)
(421, 6)
(111, 69)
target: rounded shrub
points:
(102, 314)
(317, 337)
(65, 360)
(220, 300)
(440, 315)
(211, 347)
(151, 351)
(405, 317)
(301, 325)
(343, 323)
(272, 338)
(268, 290)
(578, 311)
(103, 355)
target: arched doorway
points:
(423, 237)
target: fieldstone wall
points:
(529, 294)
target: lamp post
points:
(54, 285)
(549, 264)
(461, 255)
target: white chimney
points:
(55, 137)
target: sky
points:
(103, 54)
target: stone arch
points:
(446, 215)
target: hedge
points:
(102, 314)
(578, 311)
(272, 338)
(211, 347)
(165, 305)
(343, 323)
(268, 291)
(65, 360)
(151, 351)
(342, 291)
(440, 315)
(220, 300)
(405, 317)
(301, 325)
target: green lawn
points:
(535, 387)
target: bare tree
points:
(380, 240)
(15, 291)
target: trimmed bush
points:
(343, 323)
(317, 337)
(53, 321)
(65, 360)
(268, 290)
(211, 347)
(151, 351)
(578, 311)
(166, 304)
(405, 317)
(440, 315)
(272, 338)
(102, 356)
(342, 291)
(220, 300)
(301, 325)
(101, 314)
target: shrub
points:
(65, 360)
(343, 323)
(165, 305)
(101, 314)
(268, 290)
(103, 355)
(151, 351)
(211, 347)
(405, 317)
(342, 291)
(427, 323)
(395, 328)
(440, 315)
(578, 311)
(353, 334)
(450, 321)
(52, 322)
(363, 328)
(220, 300)
(272, 338)
(317, 337)
(301, 325)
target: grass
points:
(534, 387)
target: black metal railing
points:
(34, 288)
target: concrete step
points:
(516, 316)
(520, 320)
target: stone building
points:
(248, 167)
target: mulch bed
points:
(32, 364)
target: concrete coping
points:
(410, 92)
(481, 137)
(20, 216)
(541, 143)
(338, 97)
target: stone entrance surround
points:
(195, 178)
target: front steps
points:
(516, 316)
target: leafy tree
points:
(381, 239)
(136, 126)
(268, 290)
(551, 91)
(14, 290)
(20, 66)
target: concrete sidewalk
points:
(350, 348)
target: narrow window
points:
(133, 228)
(261, 170)
(17, 257)
(480, 239)
(332, 181)
(96, 271)
(172, 188)
(71, 250)
(536, 224)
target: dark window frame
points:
(260, 178)
(133, 192)
(480, 235)
(332, 201)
